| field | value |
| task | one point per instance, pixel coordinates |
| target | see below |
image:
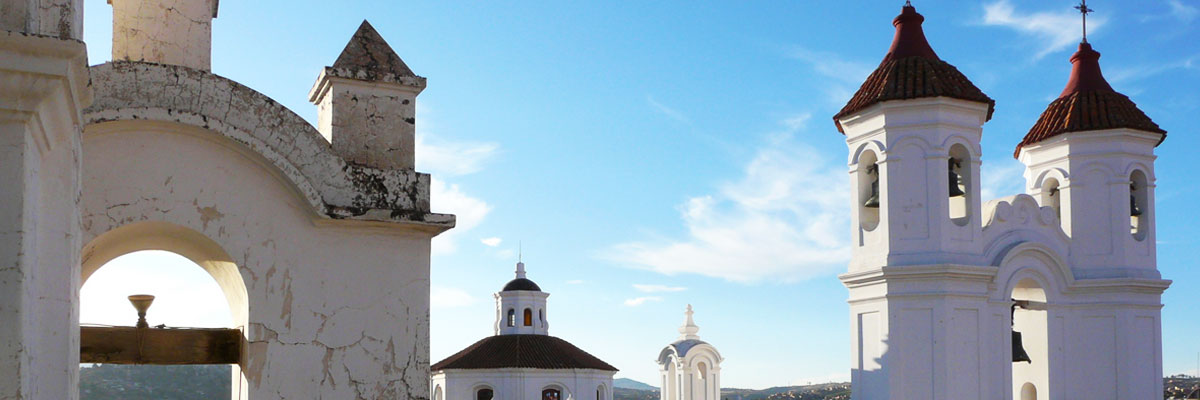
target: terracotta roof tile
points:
(522, 351)
(912, 70)
(1088, 103)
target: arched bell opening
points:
(1138, 205)
(160, 259)
(1051, 196)
(958, 184)
(1030, 338)
(869, 196)
(1028, 392)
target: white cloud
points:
(450, 158)
(645, 288)
(443, 159)
(1183, 12)
(449, 198)
(447, 297)
(575, 282)
(668, 111)
(1005, 179)
(846, 75)
(784, 219)
(797, 122)
(637, 301)
(491, 242)
(1053, 31)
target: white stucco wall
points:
(335, 308)
(43, 88)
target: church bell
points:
(1018, 350)
(1134, 210)
(955, 190)
(873, 199)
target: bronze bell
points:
(1134, 210)
(1018, 350)
(955, 190)
(873, 200)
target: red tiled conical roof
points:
(912, 70)
(1088, 103)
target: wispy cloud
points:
(1123, 74)
(1177, 10)
(772, 223)
(645, 288)
(452, 158)
(445, 158)
(847, 75)
(575, 282)
(637, 301)
(491, 242)
(1004, 178)
(1052, 31)
(668, 111)
(447, 297)
(449, 198)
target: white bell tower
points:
(690, 367)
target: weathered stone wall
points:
(336, 308)
(177, 32)
(53, 18)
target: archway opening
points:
(959, 186)
(173, 245)
(869, 195)
(185, 296)
(1052, 196)
(1029, 319)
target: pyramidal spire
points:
(689, 330)
(367, 56)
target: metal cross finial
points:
(908, 3)
(1084, 10)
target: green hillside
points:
(154, 382)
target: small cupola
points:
(1088, 103)
(911, 70)
(521, 307)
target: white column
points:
(43, 88)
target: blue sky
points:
(653, 154)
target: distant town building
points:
(1053, 293)
(690, 367)
(522, 361)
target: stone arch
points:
(971, 145)
(872, 145)
(156, 235)
(1049, 271)
(1051, 173)
(131, 91)
(919, 141)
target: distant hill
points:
(626, 383)
(154, 382)
(825, 391)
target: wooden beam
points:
(169, 346)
